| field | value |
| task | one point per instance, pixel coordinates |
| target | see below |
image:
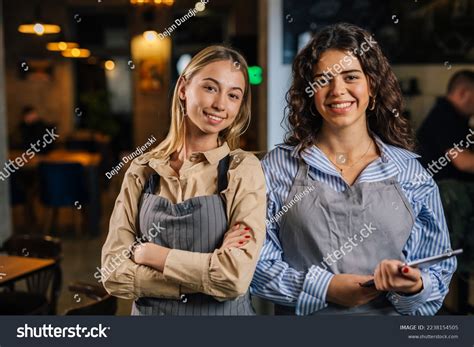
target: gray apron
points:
(323, 220)
(197, 225)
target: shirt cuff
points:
(188, 268)
(147, 280)
(313, 295)
(409, 304)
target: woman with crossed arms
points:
(197, 198)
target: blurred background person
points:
(32, 127)
(445, 143)
(447, 125)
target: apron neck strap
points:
(222, 173)
(154, 181)
(302, 174)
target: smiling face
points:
(213, 97)
(343, 100)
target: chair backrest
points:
(102, 304)
(62, 184)
(40, 246)
(82, 145)
(17, 190)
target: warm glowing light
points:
(39, 29)
(60, 46)
(109, 65)
(150, 35)
(76, 53)
(156, 2)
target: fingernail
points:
(405, 270)
(241, 242)
(247, 236)
(247, 228)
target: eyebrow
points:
(342, 72)
(217, 82)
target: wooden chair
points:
(102, 304)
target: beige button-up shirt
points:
(223, 274)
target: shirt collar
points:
(392, 159)
(215, 155)
(212, 156)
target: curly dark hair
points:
(383, 121)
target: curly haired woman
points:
(344, 204)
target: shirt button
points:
(237, 159)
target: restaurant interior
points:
(91, 81)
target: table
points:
(13, 268)
(59, 156)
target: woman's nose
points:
(219, 102)
(337, 86)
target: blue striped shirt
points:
(276, 281)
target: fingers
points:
(390, 276)
(238, 236)
(411, 273)
(236, 230)
(237, 241)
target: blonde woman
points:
(196, 198)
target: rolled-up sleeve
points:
(121, 276)
(227, 273)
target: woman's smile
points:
(213, 118)
(340, 107)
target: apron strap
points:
(222, 173)
(302, 174)
(154, 180)
(151, 184)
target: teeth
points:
(213, 117)
(344, 105)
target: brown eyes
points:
(214, 89)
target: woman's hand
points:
(392, 275)
(150, 254)
(238, 236)
(345, 290)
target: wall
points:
(278, 74)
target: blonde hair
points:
(175, 138)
